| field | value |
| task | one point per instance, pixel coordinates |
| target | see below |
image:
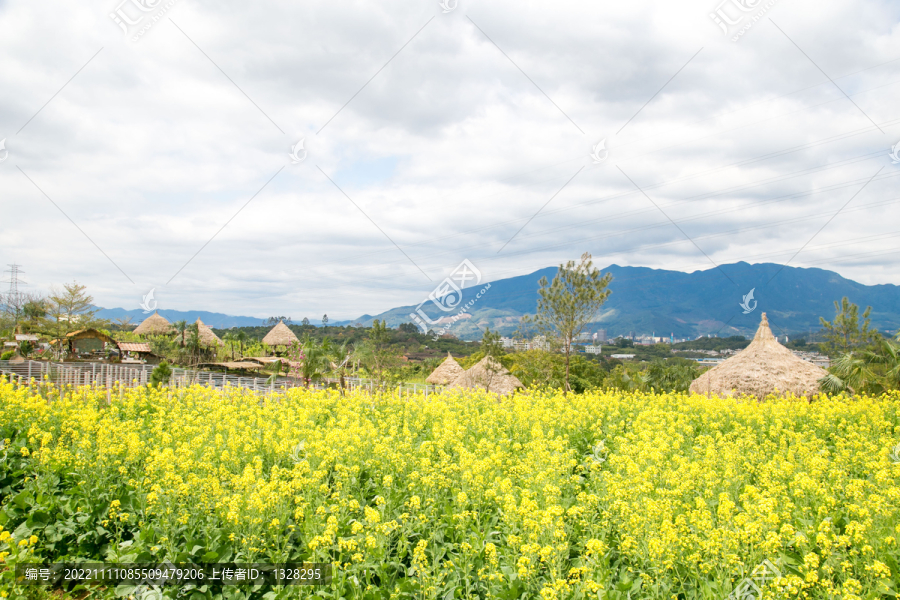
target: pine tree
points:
(569, 303)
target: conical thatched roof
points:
(488, 375)
(207, 337)
(446, 372)
(155, 324)
(760, 369)
(280, 335)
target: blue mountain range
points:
(707, 302)
(643, 301)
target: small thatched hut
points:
(488, 375)
(760, 369)
(280, 335)
(155, 324)
(446, 372)
(208, 339)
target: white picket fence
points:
(108, 375)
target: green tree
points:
(33, 311)
(324, 320)
(548, 369)
(241, 337)
(407, 328)
(181, 327)
(673, 375)
(193, 341)
(873, 370)
(70, 309)
(340, 357)
(378, 354)
(845, 332)
(315, 363)
(491, 344)
(160, 374)
(569, 303)
(230, 340)
(273, 321)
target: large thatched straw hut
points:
(488, 375)
(446, 372)
(155, 324)
(762, 368)
(280, 335)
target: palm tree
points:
(871, 371)
(241, 337)
(180, 327)
(339, 358)
(193, 343)
(670, 376)
(315, 359)
(123, 323)
(230, 339)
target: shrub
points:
(160, 374)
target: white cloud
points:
(450, 148)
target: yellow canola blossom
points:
(462, 491)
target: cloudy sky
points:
(150, 144)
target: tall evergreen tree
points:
(569, 303)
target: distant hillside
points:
(216, 320)
(645, 300)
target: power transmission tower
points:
(14, 298)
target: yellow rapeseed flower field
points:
(601, 495)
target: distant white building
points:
(709, 362)
(592, 349)
(539, 343)
(622, 356)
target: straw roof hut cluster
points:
(488, 374)
(764, 367)
(156, 324)
(280, 335)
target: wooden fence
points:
(107, 375)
